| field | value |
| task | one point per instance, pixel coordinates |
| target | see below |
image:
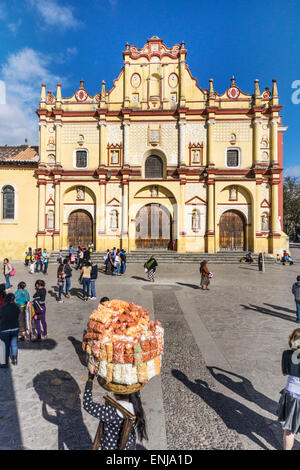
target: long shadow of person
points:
(267, 311)
(76, 292)
(244, 388)
(47, 344)
(78, 349)
(235, 415)
(58, 390)
(277, 307)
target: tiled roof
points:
(21, 153)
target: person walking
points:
(39, 305)
(7, 270)
(60, 282)
(123, 261)
(118, 263)
(45, 261)
(68, 274)
(9, 328)
(260, 262)
(289, 404)
(296, 292)
(2, 294)
(94, 276)
(113, 419)
(105, 259)
(80, 260)
(86, 279)
(60, 257)
(204, 276)
(22, 298)
(150, 268)
(28, 256)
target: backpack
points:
(12, 272)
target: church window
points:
(81, 159)
(154, 167)
(8, 201)
(232, 158)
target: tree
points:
(291, 207)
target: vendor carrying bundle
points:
(123, 345)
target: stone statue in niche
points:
(195, 220)
(154, 191)
(264, 222)
(115, 156)
(196, 156)
(80, 193)
(233, 193)
(114, 220)
(50, 220)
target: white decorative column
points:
(58, 135)
(42, 205)
(57, 206)
(210, 123)
(256, 140)
(42, 142)
(125, 215)
(102, 142)
(182, 131)
(274, 141)
(126, 125)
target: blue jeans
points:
(93, 288)
(118, 269)
(7, 280)
(68, 285)
(45, 267)
(123, 267)
(86, 286)
(10, 338)
(298, 311)
(38, 266)
(60, 291)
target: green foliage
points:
(291, 207)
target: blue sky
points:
(52, 40)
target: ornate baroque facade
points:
(155, 159)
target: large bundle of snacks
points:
(123, 344)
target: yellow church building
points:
(155, 160)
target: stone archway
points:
(153, 227)
(232, 231)
(80, 228)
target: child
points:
(22, 298)
(289, 403)
(32, 267)
(39, 306)
(113, 419)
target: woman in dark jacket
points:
(9, 328)
(39, 306)
(2, 294)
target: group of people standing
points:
(115, 261)
(15, 317)
(37, 260)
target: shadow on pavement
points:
(244, 388)
(267, 311)
(235, 415)
(193, 286)
(10, 432)
(58, 390)
(139, 278)
(276, 307)
(47, 343)
(78, 349)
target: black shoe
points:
(14, 360)
(4, 366)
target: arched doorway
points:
(80, 228)
(232, 231)
(153, 227)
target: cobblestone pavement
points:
(221, 376)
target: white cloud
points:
(293, 171)
(13, 27)
(23, 74)
(54, 14)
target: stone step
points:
(173, 257)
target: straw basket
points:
(120, 389)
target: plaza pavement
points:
(221, 374)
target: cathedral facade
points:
(154, 162)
